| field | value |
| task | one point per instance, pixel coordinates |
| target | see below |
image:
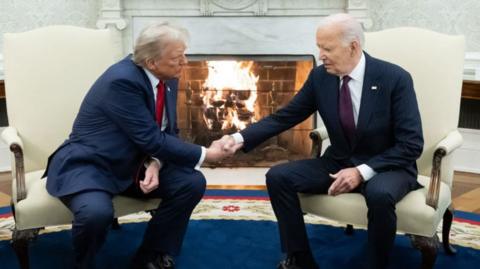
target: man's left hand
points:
(150, 182)
(345, 181)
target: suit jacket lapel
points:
(331, 98)
(369, 96)
(149, 89)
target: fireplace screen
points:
(223, 94)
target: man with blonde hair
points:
(371, 114)
(127, 121)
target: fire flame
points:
(227, 85)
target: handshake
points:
(222, 148)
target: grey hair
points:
(153, 39)
(351, 29)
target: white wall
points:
(24, 15)
(445, 16)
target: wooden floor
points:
(466, 191)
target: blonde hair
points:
(153, 39)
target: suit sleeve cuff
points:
(237, 137)
(202, 158)
(366, 171)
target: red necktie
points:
(160, 102)
(345, 110)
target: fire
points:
(230, 92)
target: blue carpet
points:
(223, 244)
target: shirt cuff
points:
(366, 171)
(237, 137)
(147, 163)
(202, 158)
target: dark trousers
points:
(381, 193)
(180, 189)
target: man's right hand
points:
(229, 144)
(222, 148)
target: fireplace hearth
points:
(223, 94)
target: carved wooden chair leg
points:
(447, 224)
(349, 229)
(115, 224)
(20, 242)
(428, 246)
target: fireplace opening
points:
(223, 94)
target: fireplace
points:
(223, 94)
(259, 27)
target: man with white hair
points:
(127, 121)
(370, 111)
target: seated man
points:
(371, 114)
(130, 113)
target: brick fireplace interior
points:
(222, 94)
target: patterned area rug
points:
(255, 206)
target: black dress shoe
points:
(163, 261)
(288, 263)
(145, 259)
(292, 262)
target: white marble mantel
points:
(235, 26)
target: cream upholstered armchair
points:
(435, 62)
(47, 73)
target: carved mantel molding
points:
(111, 17)
(359, 9)
(111, 14)
(233, 7)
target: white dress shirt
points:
(154, 82)
(355, 84)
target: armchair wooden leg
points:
(428, 246)
(153, 211)
(20, 242)
(447, 224)
(349, 229)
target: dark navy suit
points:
(388, 138)
(114, 129)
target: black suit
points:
(388, 138)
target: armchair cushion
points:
(413, 214)
(40, 209)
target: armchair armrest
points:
(450, 143)
(446, 146)
(317, 136)
(10, 136)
